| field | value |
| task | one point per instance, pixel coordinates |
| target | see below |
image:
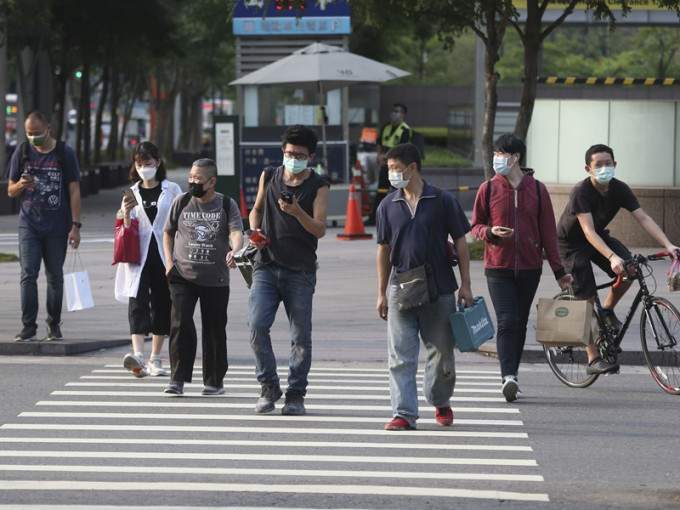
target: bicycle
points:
(659, 334)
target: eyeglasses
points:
(296, 155)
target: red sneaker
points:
(398, 423)
(444, 416)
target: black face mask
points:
(197, 190)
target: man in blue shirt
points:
(49, 189)
(404, 219)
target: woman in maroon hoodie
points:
(514, 215)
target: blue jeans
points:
(34, 248)
(511, 298)
(403, 345)
(272, 285)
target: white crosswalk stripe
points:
(107, 434)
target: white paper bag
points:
(77, 291)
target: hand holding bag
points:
(417, 287)
(564, 322)
(77, 285)
(472, 326)
(126, 243)
(674, 276)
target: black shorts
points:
(578, 261)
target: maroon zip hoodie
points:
(517, 209)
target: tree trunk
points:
(100, 110)
(526, 109)
(112, 147)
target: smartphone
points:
(27, 177)
(128, 193)
(505, 229)
(287, 197)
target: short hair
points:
(407, 153)
(39, 116)
(599, 147)
(146, 150)
(302, 136)
(510, 144)
(207, 165)
(402, 106)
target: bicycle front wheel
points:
(569, 363)
(660, 333)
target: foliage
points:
(8, 257)
(440, 157)
(476, 249)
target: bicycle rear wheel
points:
(660, 333)
(569, 363)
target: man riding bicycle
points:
(583, 238)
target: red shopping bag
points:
(126, 243)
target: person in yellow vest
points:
(395, 132)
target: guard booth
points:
(264, 111)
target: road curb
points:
(57, 347)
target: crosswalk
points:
(108, 439)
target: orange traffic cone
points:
(358, 179)
(244, 208)
(354, 225)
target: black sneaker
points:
(295, 404)
(600, 366)
(269, 394)
(175, 388)
(27, 334)
(53, 332)
(611, 320)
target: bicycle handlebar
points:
(641, 259)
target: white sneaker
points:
(135, 364)
(155, 367)
(510, 388)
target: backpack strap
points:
(488, 199)
(538, 193)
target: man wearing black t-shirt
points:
(583, 237)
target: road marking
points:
(251, 396)
(367, 490)
(509, 477)
(255, 417)
(278, 444)
(264, 430)
(211, 404)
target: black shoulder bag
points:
(417, 287)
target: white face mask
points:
(147, 172)
(604, 174)
(397, 179)
(502, 165)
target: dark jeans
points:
(34, 248)
(511, 298)
(183, 339)
(149, 312)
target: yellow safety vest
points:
(388, 140)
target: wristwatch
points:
(77, 224)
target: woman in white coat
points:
(144, 286)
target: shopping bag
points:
(472, 326)
(674, 276)
(77, 286)
(565, 322)
(126, 242)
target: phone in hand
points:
(287, 197)
(127, 192)
(505, 229)
(27, 176)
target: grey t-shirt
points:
(202, 239)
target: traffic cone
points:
(244, 208)
(354, 225)
(358, 179)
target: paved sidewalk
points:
(346, 326)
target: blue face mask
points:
(604, 174)
(293, 165)
(501, 165)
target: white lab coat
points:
(128, 275)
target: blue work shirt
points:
(407, 233)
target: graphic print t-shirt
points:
(202, 240)
(45, 207)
